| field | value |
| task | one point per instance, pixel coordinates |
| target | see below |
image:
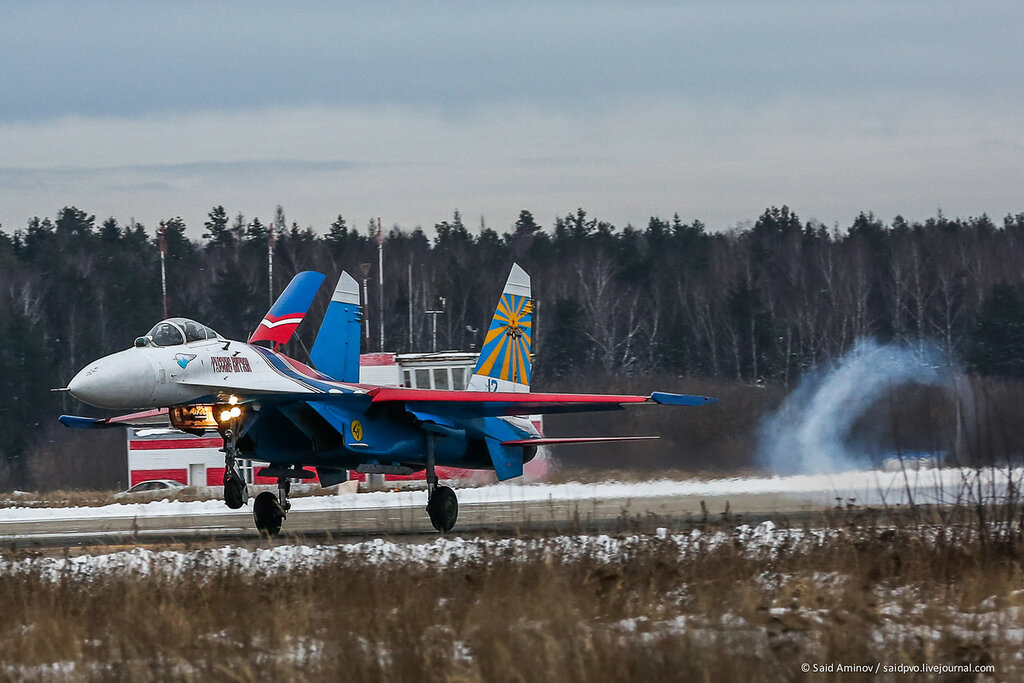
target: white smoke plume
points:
(810, 432)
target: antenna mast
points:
(163, 268)
(410, 305)
(365, 268)
(270, 265)
(380, 281)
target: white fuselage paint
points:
(153, 376)
(146, 377)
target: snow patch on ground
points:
(441, 552)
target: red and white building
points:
(155, 453)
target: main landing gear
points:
(268, 512)
(236, 493)
(442, 503)
(443, 507)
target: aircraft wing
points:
(147, 418)
(494, 404)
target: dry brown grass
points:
(75, 498)
(721, 611)
(92, 498)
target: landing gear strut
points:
(284, 487)
(236, 493)
(442, 503)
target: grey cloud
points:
(11, 176)
(96, 58)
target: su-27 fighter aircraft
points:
(271, 408)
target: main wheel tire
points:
(443, 508)
(267, 513)
(236, 493)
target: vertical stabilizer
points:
(288, 311)
(504, 363)
(336, 349)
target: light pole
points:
(380, 281)
(435, 314)
(365, 267)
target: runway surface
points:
(503, 517)
(517, 509)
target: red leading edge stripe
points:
(156, 412)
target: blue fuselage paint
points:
(307, 437)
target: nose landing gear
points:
(236, 493)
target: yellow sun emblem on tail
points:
(506, 352)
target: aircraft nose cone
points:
(121, 381)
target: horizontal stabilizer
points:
(545, 441)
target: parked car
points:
(151, 489)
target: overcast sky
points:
(408, 111)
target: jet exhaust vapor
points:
(810, 432)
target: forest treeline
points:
(760, 304)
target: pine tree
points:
(997, 339)
(217, 228)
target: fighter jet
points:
(291, 415)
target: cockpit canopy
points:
(174, 331)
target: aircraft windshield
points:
(176, 331)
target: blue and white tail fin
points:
(504, 362)
(336, 349)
